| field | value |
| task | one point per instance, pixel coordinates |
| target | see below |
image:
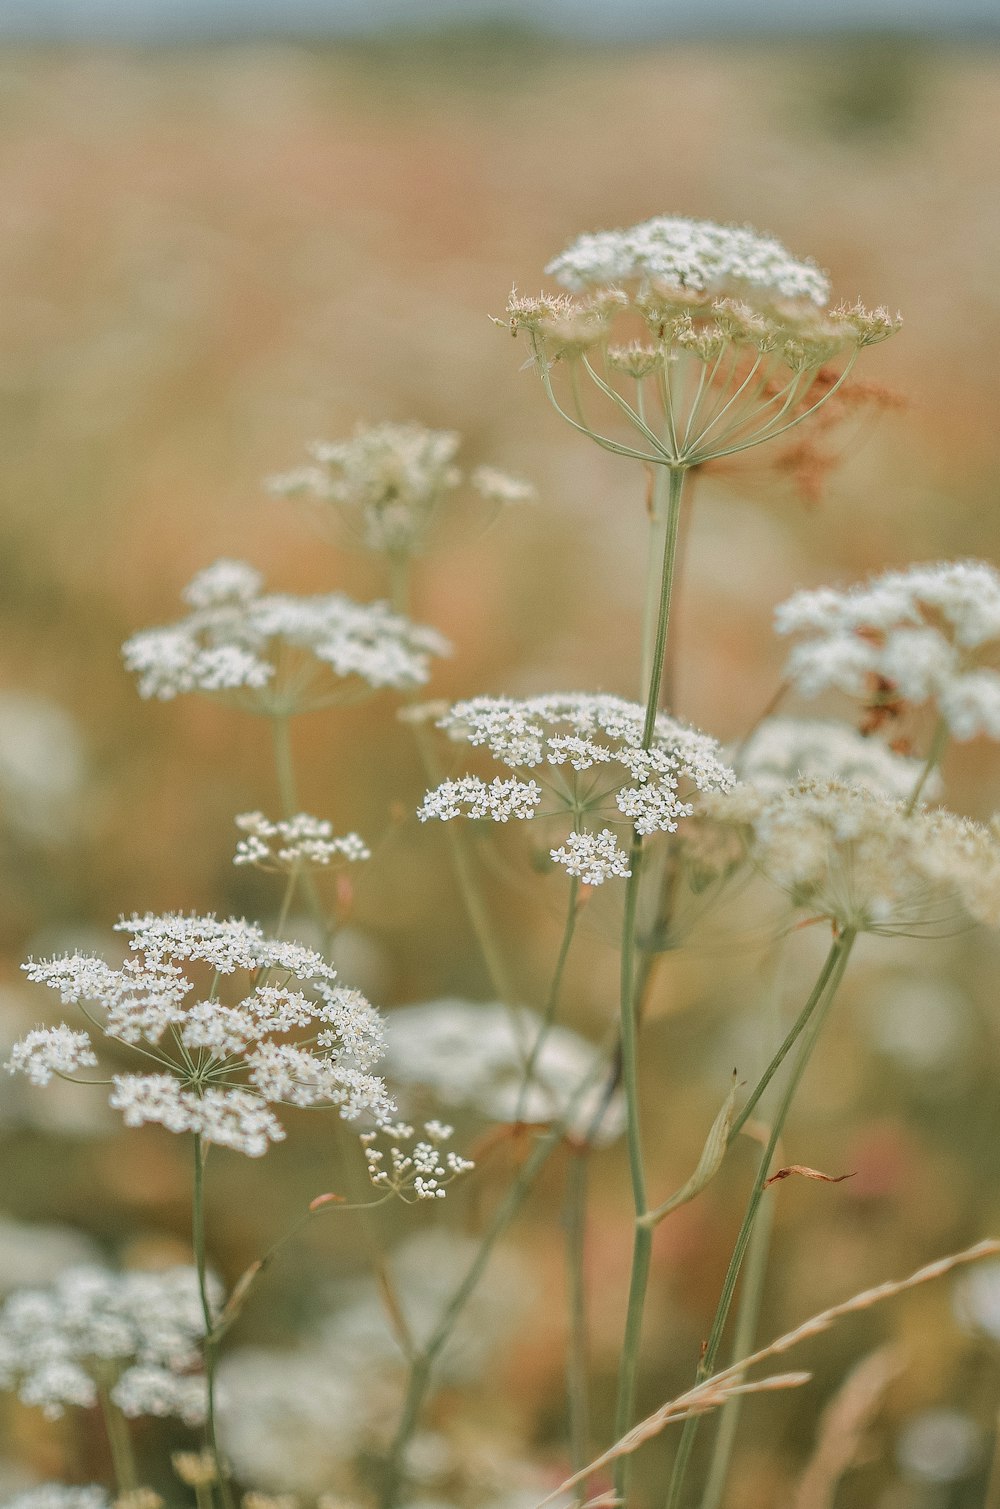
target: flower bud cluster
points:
(418, 1170)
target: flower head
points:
(863, 860)
(300, 841)
(137, 1334)
(289, 1036)
(702, 339)
(585, 757)
(782, 751)
(388, 483)
(929, 634)
(275, 653)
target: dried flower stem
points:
(643, 1236)
(833, 971)
(210, 1343)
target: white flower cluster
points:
(782, 751)
(59, 1496)
(418, 1170)
(926, 634)
(690, 254)
(864, 861)
(136, 1334)
(275, 653)
(475, 1056)
(569, 740)
(389, 480)
(300, 841)
(222, 1066)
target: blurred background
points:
(231, 227)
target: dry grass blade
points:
(842, 1427)
(712, 1392)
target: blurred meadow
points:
(210, 257)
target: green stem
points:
(840, 952)
(577, 1353)
(119, 1442)
(209, 1345)
(552, 1004)
(284, 766)
(939, 740)
(476, 908)
(643, 1236)
(654, 569)
(744, 1336)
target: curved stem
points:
(938, 743)
(552, 1003)
(840, 953)
(210, 1343)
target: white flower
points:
(417, 1170)
(59, 1496)
(564, 742)
(51, 1050)
(782, 751)
(280, 653)
(221, 1067)
(920, 635)
(389, 481)
(593, 857)
(692, 254)
(301, 840)
(147, 1326)
(476, 1055)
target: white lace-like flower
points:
(593, 857)
(137, 1334)
(389, 481)
(693, 254)
(300, 841)
(864, 861)
(930, 633)
(476, 1055)
(51, 1050)
(782, 751)
(417, 1170)
(277, 653)
(222, 1065)
(586, 758)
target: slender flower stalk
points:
(577, 1351)
(628, 1027)
(119, 1442)
(834, 969)
(210, 1342)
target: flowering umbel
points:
(291, 1036)
(277, 654)
(701, 339)
(586, 758)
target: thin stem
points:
(744, 1337)
(841, 953)
(119, 1442)
(577, 1353)
(643, 1237)
(552, 1004)
(284, 765)
(210, 1344)
(658, 518)
(939, 740)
